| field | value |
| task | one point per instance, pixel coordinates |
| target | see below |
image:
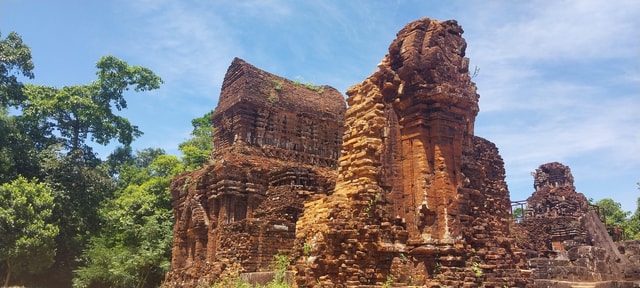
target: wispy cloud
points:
(189, 44)
(558, 83)
(555, 80)
(564, 30)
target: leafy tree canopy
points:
(18, 155)
(615, 216)
(634, 220)
(197, 149)
(27, 234)
(613, 211)
(15, 59)
(84, 112)
(133, 248)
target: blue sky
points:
(558, 80)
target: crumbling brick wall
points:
(276, 145)
(419, 199)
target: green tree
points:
(518, 214)
(120, 156)
(27, 232)
(56, 125)
(22, 144)
(614, 214)
(79, 187)
(17, 153)
(634, 221)
(15, 59)
(84, 112)
(197, 149)
(133, 248)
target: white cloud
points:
(564, 30)
(548, 88)
(183, 43)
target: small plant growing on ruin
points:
(309, 86)
(187, 181)
(388, 282)
(371, 203)
(273, 98)
(437, 270)
(475, 267)
(230, 277)
(306, 249)
(476, 71)
(280, 264)
(277, 84)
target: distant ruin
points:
(395, 190)
(566, 241)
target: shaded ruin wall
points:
(276, 145)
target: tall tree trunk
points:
(6, 278)
(144, 279)
(76, 136)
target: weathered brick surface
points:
(419, 199)
(276, 145)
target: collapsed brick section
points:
(419, 200)
(276, 144)
(565, 241)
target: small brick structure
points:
(566, 241)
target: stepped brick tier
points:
(566, 241)
(276, 145)
(419, 200)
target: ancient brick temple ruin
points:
(394, 191)
(276, 144)
(566, 241)
(419, 200)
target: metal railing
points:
(518, 210)
(617, 233)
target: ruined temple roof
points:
(245, 83)
(555, 191)
(553, 174)
(427, 63)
